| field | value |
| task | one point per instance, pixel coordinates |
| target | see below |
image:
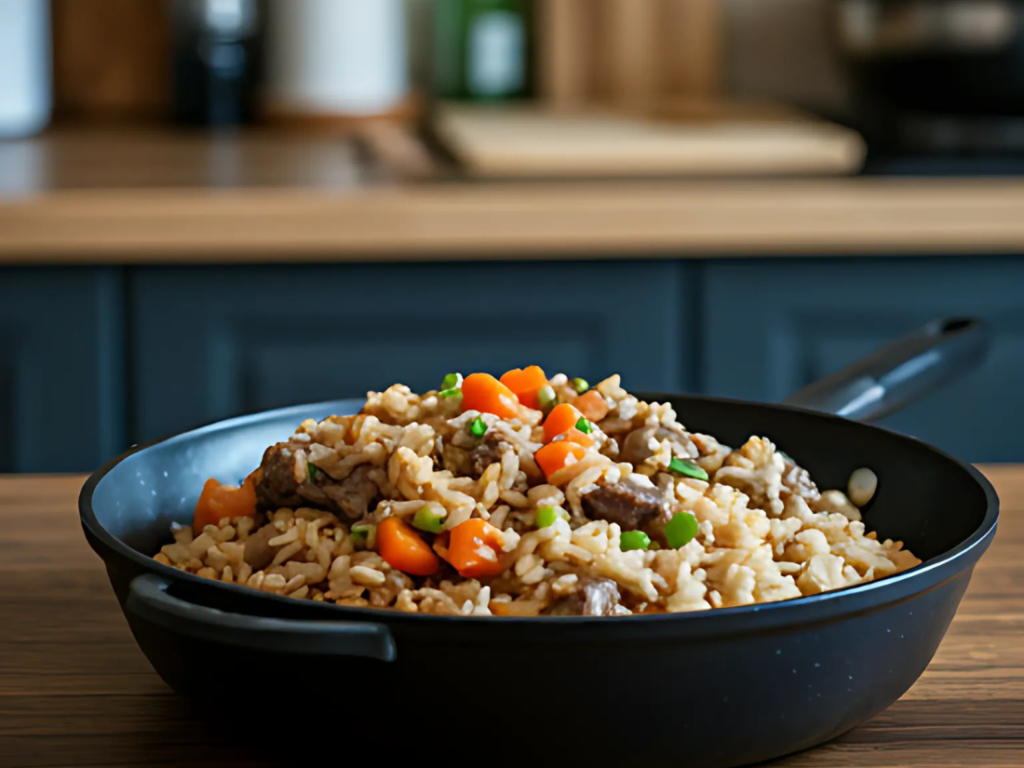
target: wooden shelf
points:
(126, 197)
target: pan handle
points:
(149, 599)
(901, 372)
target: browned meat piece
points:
(595, 597)
(258, 552)
(485, 454)
(277, 486)
(798, 480)
(472, 459)
(636, 446)
(275, 480)
(629, 504)
(353, 494)
(454, 459)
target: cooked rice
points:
(765, 533)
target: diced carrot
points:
(522, 607)
(526, 383)
(404, 550)
(592, 405)
(474, 549)
(219, 501)
(554, 456)
(482, 392)
(561, 419)
(440, 545)
(573, 435)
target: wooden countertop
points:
(75, 690)
(144, 197)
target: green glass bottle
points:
(483, 49)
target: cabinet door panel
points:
(772, 327)
(210, 343)
(61, 369)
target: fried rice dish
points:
(529, 496)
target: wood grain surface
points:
(111, 58)
(119, 196)
(531, 142)
(76, 691)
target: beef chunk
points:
(485, 454)
(277, 486)
(629, 504)
(353, 494)
(472, 455)
(636, 446)
(258, 552)
(595, 597)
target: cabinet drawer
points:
(770, 327)
(214, 342)
(61, 369)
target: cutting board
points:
(673, 139)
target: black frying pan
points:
(719, 688)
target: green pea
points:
(631, 540)
(680, 530)
(547, 515)
(427, 520)
(687, 467)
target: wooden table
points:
(75, 690)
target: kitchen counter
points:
(75, 690)
(153, 197)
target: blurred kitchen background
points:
(214, 207)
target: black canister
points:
(216, 61)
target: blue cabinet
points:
(62, 383)
(81, 377)
(213, 342)
(772, 326)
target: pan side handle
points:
(901, 372)
(149, 599)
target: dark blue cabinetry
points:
(772, 326)
(94, 359)
(212, 342)
(62, 376)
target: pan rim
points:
(795, 612)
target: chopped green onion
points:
(580, 385)
(451, 381)
(311, 472)
(547, 515)
(680, 530)
(363, 533)
(631, 540)
(478, 427)
(584, 426)
(546, 397)
(450, 393)
(687, 467)
(428, 520)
